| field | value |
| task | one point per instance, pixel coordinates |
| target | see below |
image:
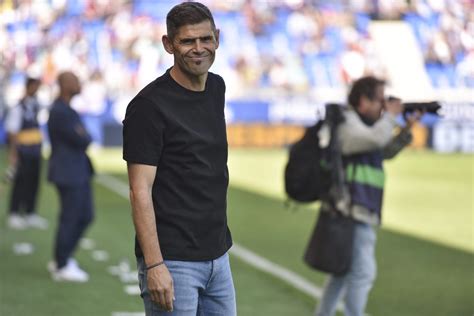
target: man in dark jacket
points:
(70, 170)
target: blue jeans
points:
(200, 288)
(356, 284)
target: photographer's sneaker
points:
(71, 272)
(36, 221)
(16, 222)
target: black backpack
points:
(312, 170)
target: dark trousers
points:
(25, 185)
(75, 216)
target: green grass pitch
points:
(425, 247)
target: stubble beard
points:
(198, 68)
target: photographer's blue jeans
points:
(356, 284)
(202, 288)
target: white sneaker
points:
(73, 262)
(69, 273)
(16, 222)
(51, 267)
(36, 221)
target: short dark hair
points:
(187, 13)
(31, 81)
(365, 86)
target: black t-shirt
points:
(183, 133)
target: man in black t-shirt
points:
(175, 146)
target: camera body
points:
(424, 107)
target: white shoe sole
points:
(59, 278)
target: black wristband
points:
(154, 265)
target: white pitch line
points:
(132, 289)
(276, 270)
(237, 250)
(114, 184)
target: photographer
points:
(366, 137)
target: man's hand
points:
(160, 285)
(80, 130)
(12, 150)
(394, 106)
(10, 173)
(411, 118)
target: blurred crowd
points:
(290, 45)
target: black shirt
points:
(183, 133)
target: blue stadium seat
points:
(362, 21)
(417, 25)
(322, 70)
(333, 36)
(75, 8)
(92, 30)
(450, 74)
(155, 9)
(442, 76)
(434, 72)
